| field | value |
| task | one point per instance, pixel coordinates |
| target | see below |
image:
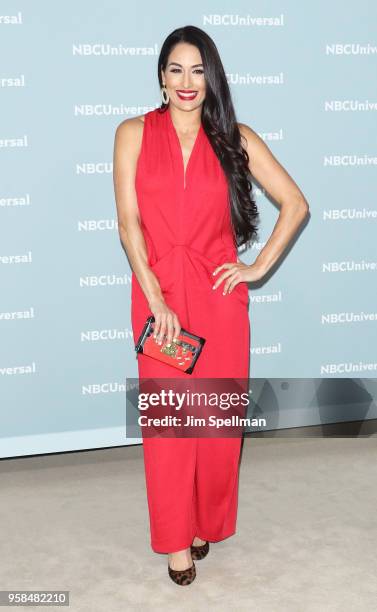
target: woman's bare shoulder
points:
(129, 133)
(248, 135)
(131, 125)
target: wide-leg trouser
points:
(192, 489)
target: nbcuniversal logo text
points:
(106, 387)
(347, 368)
(109, 110)
(15, 81)
(255, 79)
(109, 387)
(94, 168)
(349, 266)
(17, 141)
(107, 49)
(97, 225)
(349, 214)
(97, 335)
(24, 200)
(243, 20)
(11, 19)
(350, 160)
(17, 259)
(350, 49)
(104, 280)
(348, 317)
(349, 106)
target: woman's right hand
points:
(166, 321)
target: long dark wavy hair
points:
(220, 124)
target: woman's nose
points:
(186, 81)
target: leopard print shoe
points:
(183, 577)
(199, 552)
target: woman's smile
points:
(186, 94)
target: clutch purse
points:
(181, 354)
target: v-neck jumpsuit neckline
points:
(193, 150)
(192, 483)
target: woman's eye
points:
(198, 71)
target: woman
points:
(183, 196)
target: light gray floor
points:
(306, 532)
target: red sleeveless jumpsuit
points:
(192, 483)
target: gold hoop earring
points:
(165, 95)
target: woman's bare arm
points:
(283, 189)
(127, 145)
